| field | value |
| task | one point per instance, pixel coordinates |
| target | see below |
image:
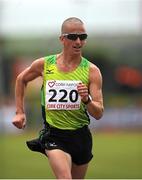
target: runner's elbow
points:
(98, 117)
(99, 114)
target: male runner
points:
(71, 86)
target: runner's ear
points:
(61, 38)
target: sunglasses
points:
(74, 37)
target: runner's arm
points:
(95, 106)
(29, 74)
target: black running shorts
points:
(78, 143)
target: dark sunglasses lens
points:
(82, 36)
(75, 36)
(72, 36)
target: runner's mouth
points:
(77, 47)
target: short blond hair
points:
(70, 20)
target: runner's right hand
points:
(19, 120)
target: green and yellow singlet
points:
(63, 106)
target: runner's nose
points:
(78, 41)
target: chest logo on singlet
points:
(62, 95)
(50, 71)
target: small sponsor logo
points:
(51, 83)
(52, 144)
(49, 71)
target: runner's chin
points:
(77, 50)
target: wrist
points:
(19, 112)
(88, 100)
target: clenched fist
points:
(19, 120)
(83, 92)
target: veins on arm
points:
(29, 74)
(95, 89)
(32, 72)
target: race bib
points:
(62, 95)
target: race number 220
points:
(62, 95)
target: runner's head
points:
(72, 21)
(73, 34)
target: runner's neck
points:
(67, 64)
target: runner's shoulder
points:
(37, 65)
(39, 62)
(94, 68)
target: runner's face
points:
(73, 46)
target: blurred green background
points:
(117, 155)
(30, 30)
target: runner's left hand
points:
(83, 92)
